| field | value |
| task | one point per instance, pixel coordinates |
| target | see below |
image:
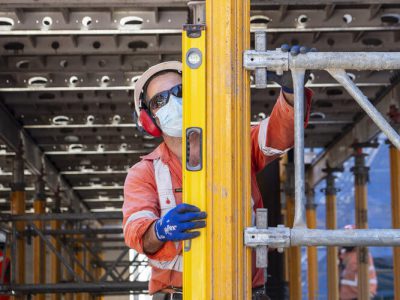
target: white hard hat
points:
(141, 82)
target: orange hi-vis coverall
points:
(154, 185)
(348, 277)
(6, 276)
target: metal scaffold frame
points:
(335, 64)
(84, 268)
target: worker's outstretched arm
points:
(275, 135)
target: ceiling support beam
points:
(12, 134)
(363, 130)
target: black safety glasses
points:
(162, 98)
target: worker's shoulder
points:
(144, 169)
(141, 169)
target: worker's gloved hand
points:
(285, 80)
(175, 224)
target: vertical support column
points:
(86, 263)
(39, 253)
(395, 191)
(331, 223)
(55, 262)
(360, 179)
(99, 271)
(228, 148)
(294, 253)
(283, 179)
(18, 208)
(69, 296)
(312, 254)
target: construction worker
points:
(349, 273)
(155, 220)
(4, 265)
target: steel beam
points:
(11, 133)
(89, 32)
(55, 252)
(277, 60)
(114, 264)
(130, 87)
(99, 261)
(82, 287)
(363, 130)
(63, 216)
(93, 3)
(80, 231)
(286, 237)
(172, 3)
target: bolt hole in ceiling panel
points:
(68, 71)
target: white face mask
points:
(170, 117)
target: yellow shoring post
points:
(99, 271)
(227, 143)
(194, 172)
(312, 255)
(86, 258)
(294, 253)
(54, 261)
(69, 296)
(360, 181)
(18, 208)
(294, 257)
(395, 191)
(331, 223)
(39, 253)
(78, 270)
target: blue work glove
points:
(285, 80)
(175, 224)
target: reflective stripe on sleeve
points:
(138, 215)
(355, 282)
(262, 139)
(176, 264)
(349, 282)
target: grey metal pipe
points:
(366, 105)
(299, 194)
(276, 60)
(345, 237)
(81, 287)
(112, 215)
(283, 237)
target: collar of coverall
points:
(161, 151)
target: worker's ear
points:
(145, 122)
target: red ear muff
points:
(148, 124)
